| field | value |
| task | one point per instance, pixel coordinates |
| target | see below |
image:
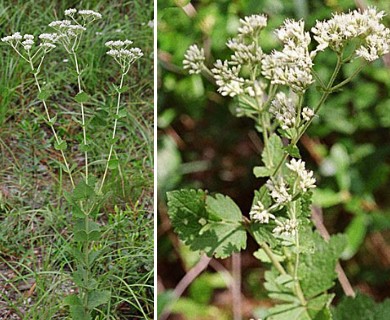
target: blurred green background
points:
(201, 144)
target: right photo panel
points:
(273, 163)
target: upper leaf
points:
(273, 152)
(81, 97)
(205, 223)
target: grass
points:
(35, 265)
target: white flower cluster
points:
(122, 53)
(83, 13)
(12, 38)
(283, 109)
(65, 28)
(194, 59)
(27, 41)
(286, 228)
(364, 25)
(244, 53)
(228, 79)
(252, 25)
(305, 177)
(307, 113)
(48, 40)
(291, 66)
(279, 191)
(260, 214)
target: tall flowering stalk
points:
(270, 89)
(86, 197)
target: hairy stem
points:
(51, 125)
(82, 114)
(113, 131)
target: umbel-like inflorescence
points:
(123, 54)
(364, 25)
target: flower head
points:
(279, 191)
(228, 79)
(287, 228)
(194, 59)
(90, 14)
(252, 25)
(305, 177)
(291, 66)
(123, 53)
(365, 25)
(260, 214)
(307, 113)
(283, 109)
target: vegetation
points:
(202, 146)
(41, 243)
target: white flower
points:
(244, 53)
(260, 214)
(194, 59)
(14, 37)
(90, 13)
(49, 37)
(28, 37)
(286, 228)
(121, 52)
(365, 25)
(283, 109)
(228, 79)
(27, 44)
(60, 23)
(279, 191)
(291, 66)
(151, 24)
(307, 113)
(251, 25)
(305, 177)
(70, 12)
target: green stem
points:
(52, 126)
(82, 114)
(307, 124)
(265, 247)
(113, 131)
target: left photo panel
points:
(76, 160)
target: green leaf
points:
(317, 265)
(82, 191)
(89, 231)
(206, 223)
(288, 311)
(273, 152)
(78, 313)
(97, 298)
(52, 121)
(260, 172)
(85, 147)
(44, 94)
(293, 151)
(361, 307)
(113, 164)
(61, 145)
(76, 254)
(81, 97)
(123, 89)
(72, 300)
(122, 113)
(356, 233)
